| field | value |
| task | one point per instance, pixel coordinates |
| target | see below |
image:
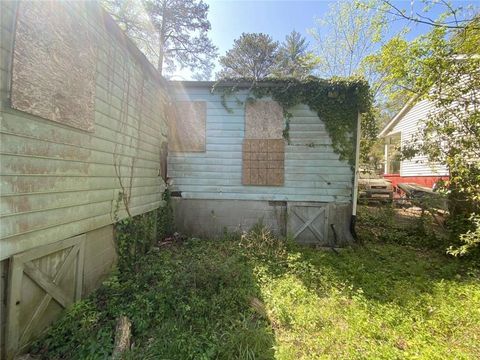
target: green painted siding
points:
(58, 181)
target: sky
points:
(277, 18)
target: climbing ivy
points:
(135, 236)
(165, 221)
(336, 101)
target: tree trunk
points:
(160, 57)
(162, 37)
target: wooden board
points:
(264, 120)
(42, 282)
(263, 162)
(54, 64)
(187, 126)
(308, 222)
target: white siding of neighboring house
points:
(408, 125)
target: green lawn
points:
(259, 298)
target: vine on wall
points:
(135, 236)
(336, 101)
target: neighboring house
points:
(398, 132)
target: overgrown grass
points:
(258, 297)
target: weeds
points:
(260, 297)
(387, 224)
(260, 242)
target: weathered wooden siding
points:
(58, 181)
(313, 172)
(408, 126)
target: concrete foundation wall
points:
(100, 257)
(210, 218)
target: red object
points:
(427, 181)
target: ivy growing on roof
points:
(337, 102)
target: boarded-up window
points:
(263, 162)
(54, 66)
(187, 126)
(263, 120)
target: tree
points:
(253, 56)
(344, 37)
(133, 20)
(173, 32)
(451, 18)
(294, 59)
(182, 27)
(444, 67)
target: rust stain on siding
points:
(35, 166)
(19, 204)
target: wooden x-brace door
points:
(42, 282)
(308, 222)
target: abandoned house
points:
(231, 166)
(84, 136)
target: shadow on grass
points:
(388, 269)
(202, 299)
(384, 273)
(188, 301)
(377, 301)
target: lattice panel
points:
(263, 162)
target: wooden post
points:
(122, 337)
(357, 165)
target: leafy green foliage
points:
(470, 239)
(345, 36)
(443, 67)
(136, 235)
(259, 242)
(294, 59)
(254, 55)
(337, 102)
(189, 301)
(389, 225)
(165, 220)
(260, 297)
(171, 33)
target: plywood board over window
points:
(263, 162)
(187, 126)
(54, 64)
(264, 120)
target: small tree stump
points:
(122, 337)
